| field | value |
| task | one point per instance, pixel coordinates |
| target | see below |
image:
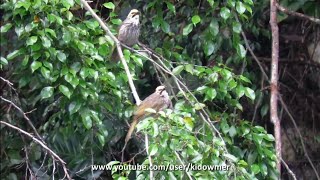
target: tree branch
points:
(296, 14)
(300, 136)
(25, 117)
(53, 154)
(118, 44)
(274, 81)
(288, 169)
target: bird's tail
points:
(131, 129)
(114, 55)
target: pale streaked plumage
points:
(129, 31)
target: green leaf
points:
(137, 60)
(66, 36)
(35, 65)
(195, 19)
(226, 74)
(155, 129)
(232, 131)
(269, 137)
(46, 42)
(211, 94)
(65, 90)
(211, 2)
(241, 51)
(153, 149)
(116, 21)
(232, 84)
(189, 123)
(231, 157)
(61, 56)
(245, 79)
(240, 7)
(74, 107)
(209, 48)
(101, 139)
(46, 92)
(239, 106)
(103, 50)
(187, 29)
(171, 7)
(249, 93)
(86, 120)
(213, 77)
(92, 24)
(13, 54)
(249, 2)
(51, 32)
(202, 89)
(189, 68)
(225, 13)
(45, 72)
(5, 27)
(4, 61)
(165, 27)
(109, 5)
(236, 27)
(240, 91)
(67, 3)
(255, 169)
(177, 70)
(214, 27)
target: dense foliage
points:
(57, 56)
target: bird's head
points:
(160, 89)
(134, 16)
(133, 13)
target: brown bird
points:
(158, 101)
(129, 31)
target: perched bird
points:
(129, 31)
(158, 101)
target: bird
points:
(129, 31)
(158, 101)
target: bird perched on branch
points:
(129, 31)
(158, 101)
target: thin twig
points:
(53, 154)
(296, 14)
(300, 136)
(120, 53)
(288, 169)
(25, 117)
(189, 176)
(149, 156)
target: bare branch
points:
(188, 174)
(274, 81)
(300, 136)
(149, 156)
(53, 154)
(118, 44)
(288, 169)
(24, 116)
(296, 14)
